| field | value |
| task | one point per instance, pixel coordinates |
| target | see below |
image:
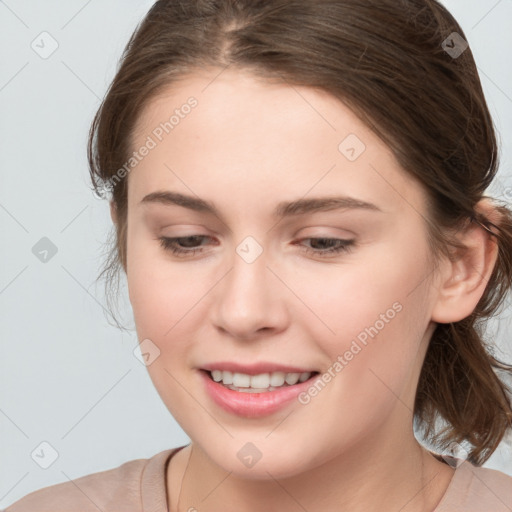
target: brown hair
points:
(387, 61)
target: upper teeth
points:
(261, 381)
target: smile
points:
(254, 396)
(243, 382)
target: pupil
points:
(189, 239)
(322, 242)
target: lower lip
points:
(252, 405)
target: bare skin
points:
(247, 146)
(425, 496)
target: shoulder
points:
(116, 489)
(478, 489)
(490, 488)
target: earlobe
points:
(467, 275)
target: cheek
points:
(166, 309)
(378, 290)
(160, 291)
(370, 320)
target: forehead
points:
(228, 99)
(263, 136)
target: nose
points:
(250, 301)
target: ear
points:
(113, 212)
(463, 280)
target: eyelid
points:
(342, 246)
(323, 232)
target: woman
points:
(298, 194)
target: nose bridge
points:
(247, 300)
(248, 280)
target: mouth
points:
(259, 383)
(256, 394)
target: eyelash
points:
(345, 246)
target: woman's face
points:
(257, 289)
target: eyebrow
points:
(282, 210)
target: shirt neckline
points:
(153, 485)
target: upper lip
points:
(254, 368)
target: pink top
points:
(140, 486)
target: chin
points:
(259, 460)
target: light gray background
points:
(67, 376)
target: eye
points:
(185, 246)
(334, 246)
(171, 244)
